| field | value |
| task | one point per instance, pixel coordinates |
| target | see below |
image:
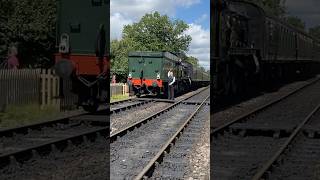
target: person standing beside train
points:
(13, 62)
(171, 81)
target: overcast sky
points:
(307, 10)
(194, 12)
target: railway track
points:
(136, 149)
(248, 146)
(123, 118)
(230, 110)
(28, 151)
(297, 158)
(24, 143)
(220, 125)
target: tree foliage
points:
(31, 25)
(154, 32)
(315, 31)
(296, 22)
(274, 7)
(158, 33)
(192, 60)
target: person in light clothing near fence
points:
(13, 62)
(113, 81)
(171, 81)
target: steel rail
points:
(152, 163)
(123, 131)
(245, 116)
(122, 101)
(27, 153)
(281, 150)
(139, 103)
(60, 120)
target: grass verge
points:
(119, 97)
(15, 116)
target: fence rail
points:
(50, 84)
(33, 86)
(19, 86)
(118, 89)
(42, 87)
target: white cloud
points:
(201, 19)
(200, 44)
(186, 3)
(135, 9)
(124, 12)
(117, 22)
(128, 11)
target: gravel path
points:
(236, 157)
(301, 160)
(130, 153)
(86, 162)
(240, 157)
(129, 117)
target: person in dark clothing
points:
(171, 81)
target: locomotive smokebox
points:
(64, 68)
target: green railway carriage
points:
(200, 77)
(148, 73)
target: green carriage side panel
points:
(75, 18)
(151, 63)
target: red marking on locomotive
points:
(147, 82)
(84, 64)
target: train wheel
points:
(92, 105)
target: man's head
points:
(170, 72)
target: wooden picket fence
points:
(34, 86)
(118, 89)
(50, 85)
(19, 86)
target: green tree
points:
(275, 7)
(155, 32)
(315, 31)
(296, 22)
(194, 61)
(30, 24)
(119, 56)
